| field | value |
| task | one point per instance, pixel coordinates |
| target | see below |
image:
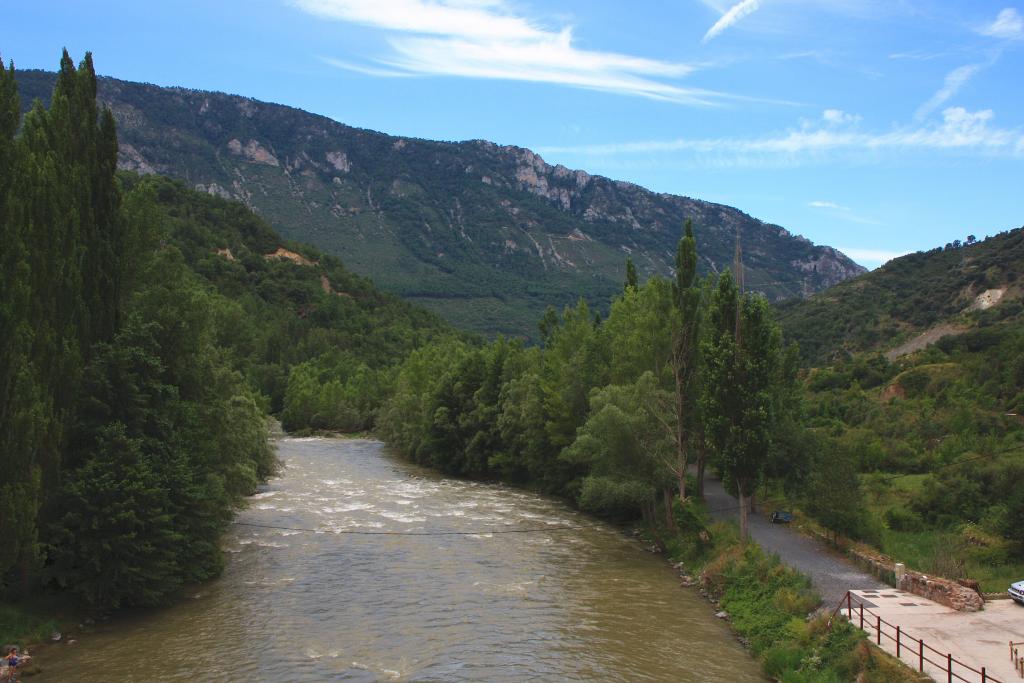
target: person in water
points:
(12, 660)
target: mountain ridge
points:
(487, 235)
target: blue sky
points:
(875, 126)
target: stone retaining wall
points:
(942, 591)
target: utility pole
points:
(737, 267)
(746, 506)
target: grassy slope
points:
(906, 296)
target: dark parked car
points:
(782, 517)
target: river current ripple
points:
(580, 605)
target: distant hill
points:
(483, 234)
(911, 301)
(292, 303)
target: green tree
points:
(115, 544)
(685, 340)
(24, 412)
(741, 399)
(631, 278)
(406, 419)
(624, 449)
(61, 229)
(575, 362)
(833, 493)
(637, 332)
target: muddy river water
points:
(550, 605)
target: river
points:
(553, 605)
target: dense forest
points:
(613, 412)
(147, 332)
(919, 456)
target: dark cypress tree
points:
(631, 279)
(108, 252)
(22, 405)
(62, 234)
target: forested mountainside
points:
(147, 330)
(946, 290)
(919, 386)
(486, 235)
(291, 305)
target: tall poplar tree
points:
(62, 235)
(741, 388)
(686, 297)
(631, 278)
(23, 409)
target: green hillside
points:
(923, 398)
(486, 235)
(908, 296)
(290, 302)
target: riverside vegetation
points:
(147, 332)
(768, 605)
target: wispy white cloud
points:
(918, 55)
(838, 117)
(844, 213)
(954, 80)
(959, 130)
(799, 17)
(817, 55)
(820, 204)
(1008, 25)
(486, 39)
(731, 17)
(474, 20)
(363, 69)
(871, 257)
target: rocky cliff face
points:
(643, 216)
(486, 235)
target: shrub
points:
(609, 496)
(902, 519)
(782, 658)
(914, 382)
(796, 603)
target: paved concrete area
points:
(975, 638)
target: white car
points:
(1016, 592)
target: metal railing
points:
(907, 645)
(1017, 658)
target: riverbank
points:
(37, 625)
(773, 608)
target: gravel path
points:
(831, 573)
